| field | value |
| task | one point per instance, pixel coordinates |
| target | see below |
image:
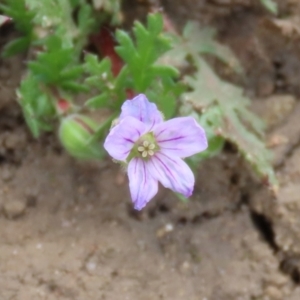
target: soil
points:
(68, 230)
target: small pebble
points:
(14, 209)
(185, 266)
(277, 279)
(91, 265)
(273, 293)
(167, 228)
(12, 141)
(39, 246)
(7, 174)
(277, 109)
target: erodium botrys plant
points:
(153, 149)
(80, 67)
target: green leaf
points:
(98, 101)
(103, 128)
(270, 5)
(54, 14)
(237, 124)
(112, 7)
(73, 72)
(31, 121)
(74, 87)
(126, 50)
(37, 106)
(163, 71)
(98, 69)
(196, 41)
(23, 19)
(165, 95)
(150, 43)
(181, 198)
(16, 9)
(16, 46)
(211, 119)
(57, 66)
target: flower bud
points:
(76, 134)
(63, 106)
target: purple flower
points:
(154, 149)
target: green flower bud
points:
(76, 135)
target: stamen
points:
(145, 147)
(150, 152)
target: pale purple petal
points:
(173, 173)
(143, 187)
(181, 137)
(141, 109)
(122, 137)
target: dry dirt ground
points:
(67, 229)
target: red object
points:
(63, 105)
(130, 94)
(105, 44)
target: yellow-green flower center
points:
(144, 148)
(147, 148)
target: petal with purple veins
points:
(122, 137)
(141, 109)
(181, 137)
(143, 187)
(173, 173)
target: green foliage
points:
(57, 39)
(112, 7)
(197, 41)
(38, 109)
(155, 80)
(35, 18)
(57, 66)
(75, 133)
(23, 18)
(112, 89)
(270, 5)
(141, 73)
(58, 15)
(57, 31)
(221, 107)
(56, 70)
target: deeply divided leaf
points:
(235, 122)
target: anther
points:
(150, 152)
(145, 144)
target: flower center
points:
(147, 148)
(144, 148)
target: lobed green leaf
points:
(235, 122)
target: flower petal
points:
(143, 187)
(122, 137)
(181, 137)
(141, 109)
(173, 173)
